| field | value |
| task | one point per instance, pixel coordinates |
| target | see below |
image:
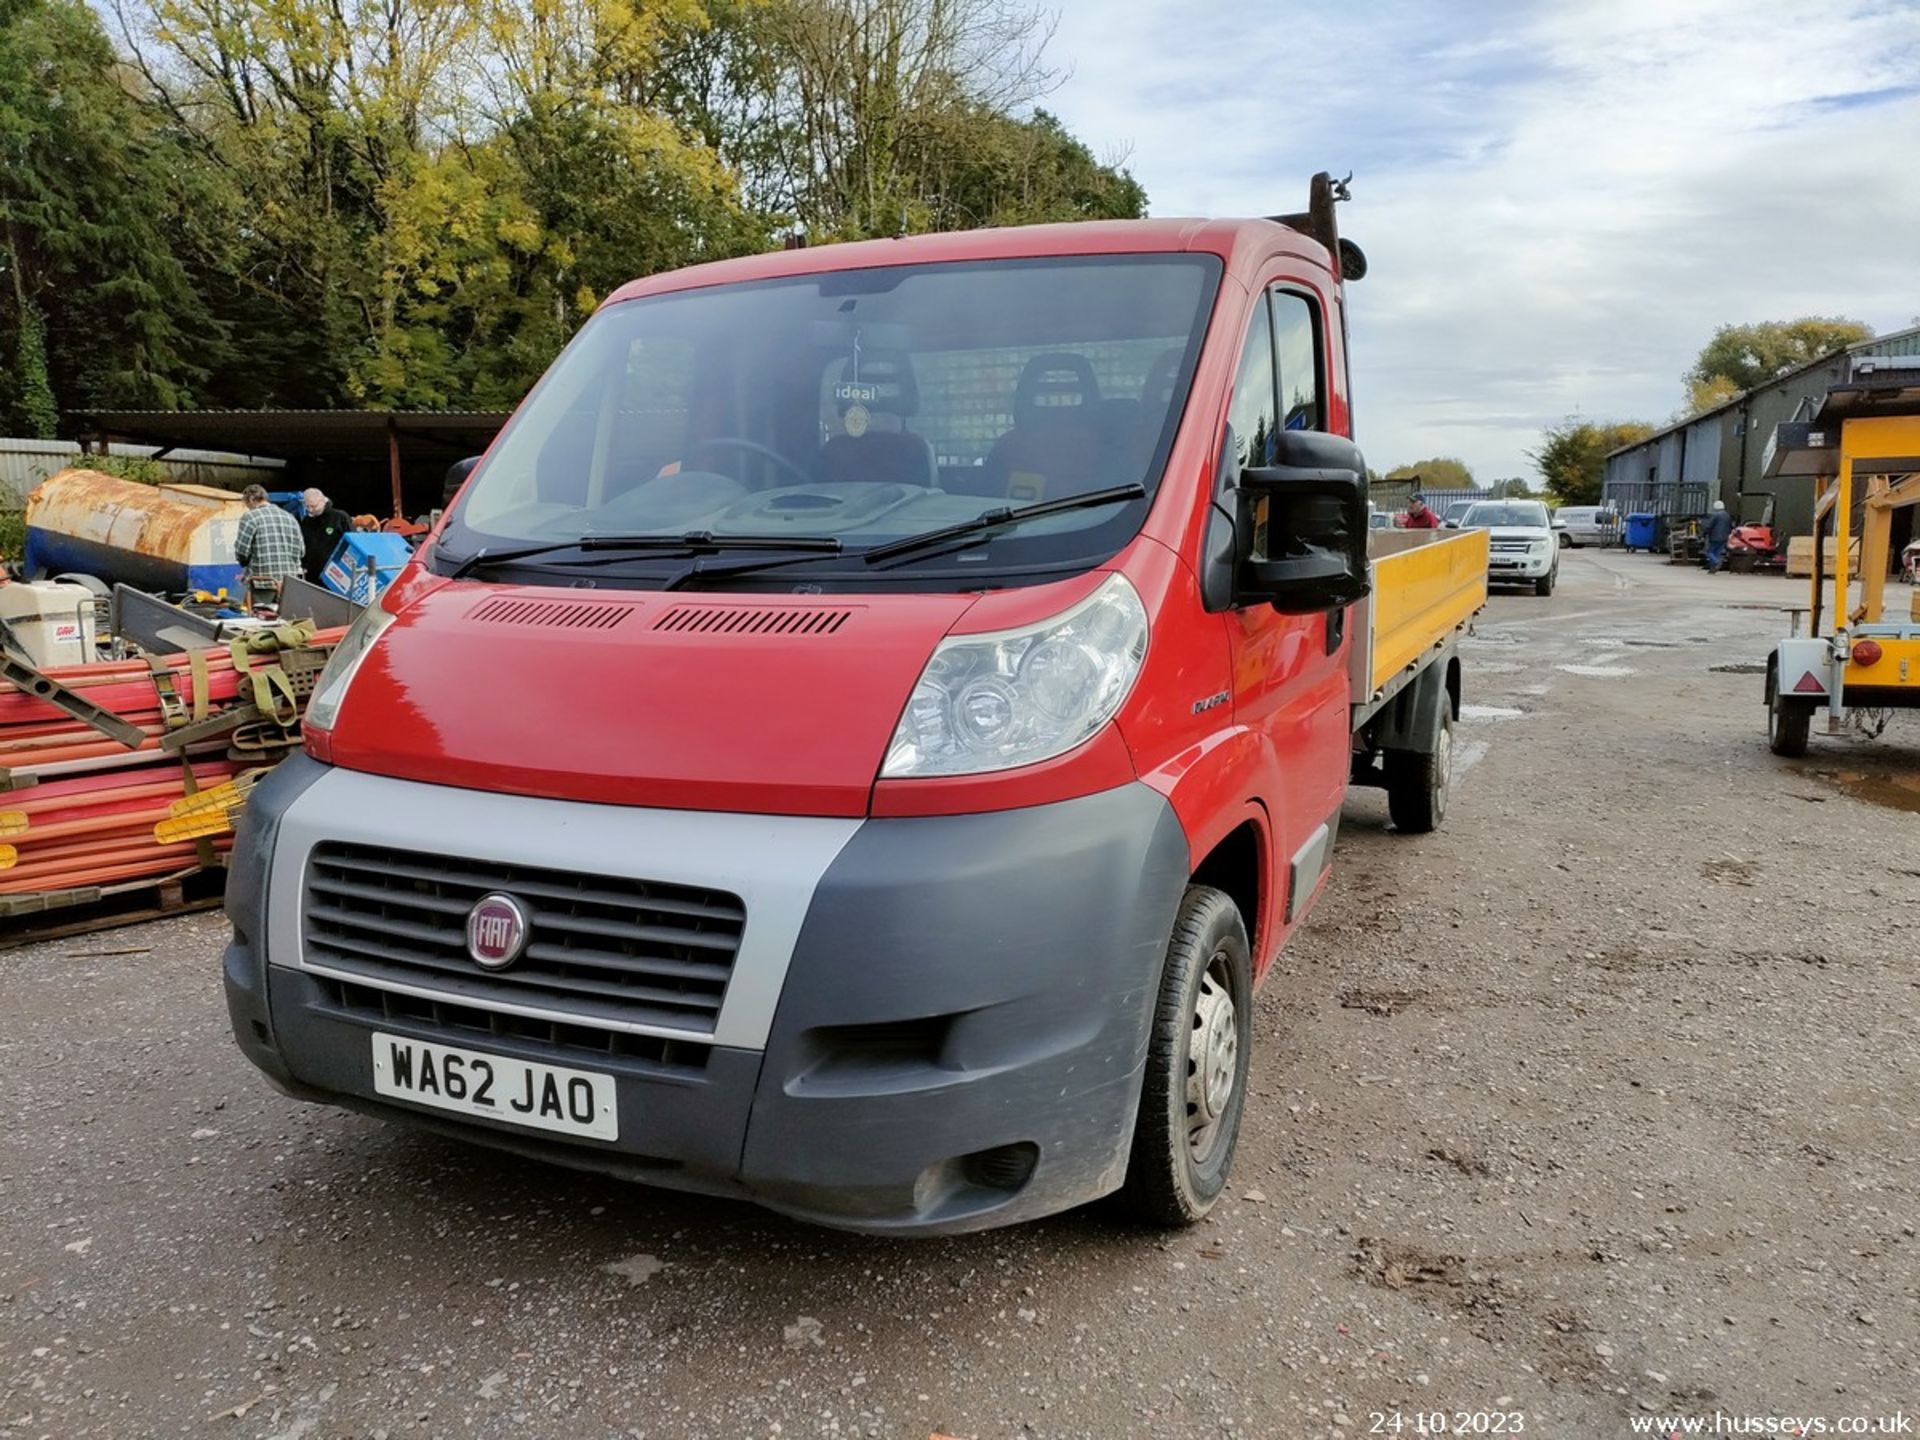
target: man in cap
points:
(1714, 533)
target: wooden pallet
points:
(57, 914)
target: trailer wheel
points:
(1789, 721)
(1417, 784)
(1197, 1057)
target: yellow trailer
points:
(1861, 451)
(1403, 668)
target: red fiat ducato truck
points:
(864, 730)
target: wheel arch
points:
(1237, 866)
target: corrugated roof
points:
(445, 435)
(1865, 347)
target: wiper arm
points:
(811, 549)
(694, 542)
(993, 520)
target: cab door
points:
(1289, 671)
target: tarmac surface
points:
(1598, 1106)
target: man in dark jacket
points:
(321, 526)
(1714, 533)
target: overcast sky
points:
(1559, 200)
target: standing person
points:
(1715, 532)
(268, 544)
(322, 526)
(1419, 517)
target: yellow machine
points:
(1862, 452)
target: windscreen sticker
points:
(1024, 485)
(856, 391)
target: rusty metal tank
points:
(153, 537)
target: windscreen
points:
(1524, 512)
(867, 406)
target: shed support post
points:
(393, 465)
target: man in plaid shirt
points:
(268, 544)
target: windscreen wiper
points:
(995, 520)
(810, 548)
(694, 542)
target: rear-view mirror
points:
(1305, 523)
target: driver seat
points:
(884, 451)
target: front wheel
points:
(1789, 721)
(1197, 1058)
(1544, 585)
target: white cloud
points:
(1560, 200)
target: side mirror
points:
(1305, 519)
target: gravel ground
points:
(1600, 1103)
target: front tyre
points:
(1197, 1057)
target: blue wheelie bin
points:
(1640, 529)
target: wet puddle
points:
(1896, 790)
(1490, 712)
(1604, 671)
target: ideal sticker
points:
(855, 390)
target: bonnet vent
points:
(751, 620)
(551, 614)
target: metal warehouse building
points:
(1716, 455)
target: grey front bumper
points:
(957, 1037)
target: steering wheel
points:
(752, 447)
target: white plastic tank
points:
(48, 622)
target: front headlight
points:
(992, 702)
(323, 709)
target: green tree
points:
(996, 170)
(1572, 458)
(415, 202)
(1440, 473)
(97, 305)
(863, 118)
(1739, 357)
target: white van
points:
(1587, 524)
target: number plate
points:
(518, 1092)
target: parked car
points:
(1521, 544)
(1587, 524)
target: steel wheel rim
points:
(1213, 1059)
(1442, 770)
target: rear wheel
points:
(1197, 1057)
(1417, 784)
(1789, 721)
